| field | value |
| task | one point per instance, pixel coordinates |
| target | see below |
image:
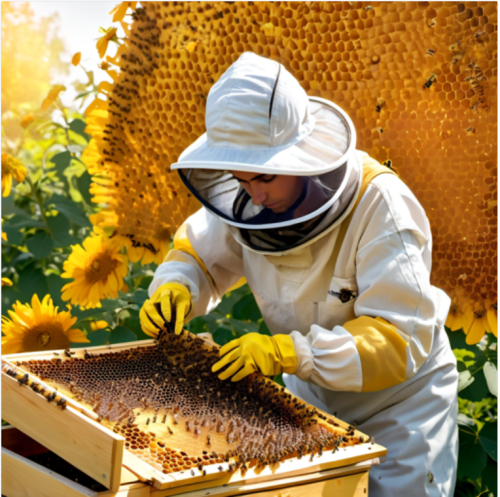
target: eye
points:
(268, 180)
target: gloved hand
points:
(252, 352)
(157, 310)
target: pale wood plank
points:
(132, 490)
(92, 448)
(283, 486)
(255, 484)
(24, 478)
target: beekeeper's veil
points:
(260, 120)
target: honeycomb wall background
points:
(418, 79)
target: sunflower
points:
(98, 269)
(103, 41)
(52, 96)
(76, 58)
(11, 168)
(38, 327)
(479, 319)
(27, 120)
(6, 282)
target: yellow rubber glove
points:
(256, 352)
(157, 310)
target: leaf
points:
(55, 283)
(19, 221)
(121, 334)
(69, 208)
(106, 306)
(222, 336)
(203, 324)
(463, 354)
(464, 380)
(490, 373)
(488, 438)
(246, 309)
(489, 478)
(478, 391)
(471, 456)
(59, 227)
(83, 182)
(10, 295)
(61, 161)
(230, 298)
(99, 337)
(263, 329)
(243, 327)
(40, 245)
(139, 296)
(14, 236)
(31, 281)
(78, 126)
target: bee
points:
(200, 466)
(470, 131)
(170, 430)
(62, 403)
(147, 422)
(67, 353)
(24, 380)
(380, 104)
(220, 468)
(208, 440)
(430, 477)
(430, 81)
(431, 23)
(175, 419)
(388, 163)
(187, 426)
(204, 472)
(52, 396)
(368, 7)
(192, 472)
(345, 295)
(430, 52)
(456, 46)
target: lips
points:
(270, 206)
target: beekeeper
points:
(337, 252)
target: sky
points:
(79, 24)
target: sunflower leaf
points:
(61, 161)
(40, 245)
(488, 438)
(78, 126)
(472, 457)
(69, 208)
(121, 334)
(59, 227)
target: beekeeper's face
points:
(274, 191)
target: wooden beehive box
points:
(76, 436)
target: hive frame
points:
(169, 483)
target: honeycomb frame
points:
(227, 469)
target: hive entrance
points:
(177, 415)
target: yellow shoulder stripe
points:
(382, 351)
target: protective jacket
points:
(366, 323)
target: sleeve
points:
(396, 309)
(205, 258)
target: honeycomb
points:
(176, 414)
(418, 79)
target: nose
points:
(258, 193)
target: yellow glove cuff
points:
(286, 352)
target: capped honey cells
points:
(418, 79)
(177, 415)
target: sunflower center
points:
(45, 336)
(100, 268)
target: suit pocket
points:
(339, 305)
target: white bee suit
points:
(385, 261)
(348, 279)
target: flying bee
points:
(430, 52)
(430, 81)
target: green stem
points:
(35, 194)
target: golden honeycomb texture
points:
(418, 79)
(177, 415)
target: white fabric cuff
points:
(328, 359)
(177, 272)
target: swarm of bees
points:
(177, 415)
